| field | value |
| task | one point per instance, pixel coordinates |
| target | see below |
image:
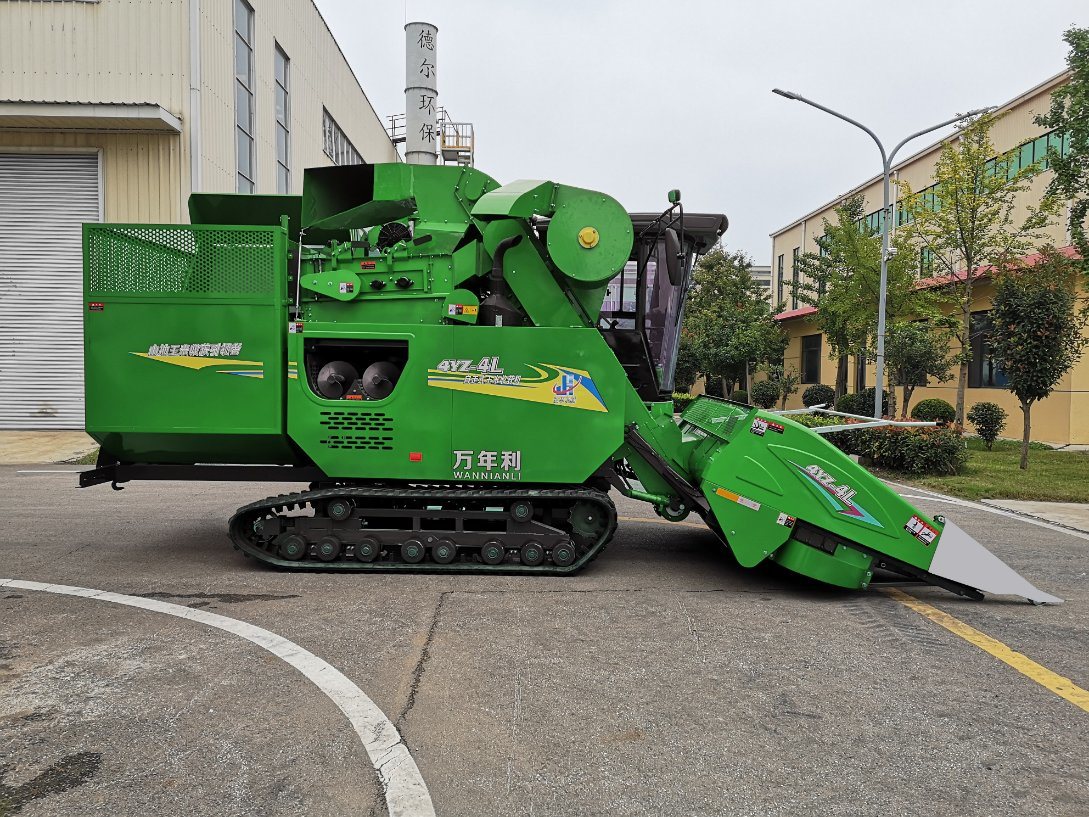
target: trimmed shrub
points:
(818, 394)
(933, 410)
(936, 450)
(712, 386)
(843, 440)
(765, 393)
(740, 396)
(862, 403)
(681, 401)
(989, 420)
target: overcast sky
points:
(634, 98)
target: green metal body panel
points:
(436, 412)
(184, 334)
(847, 567)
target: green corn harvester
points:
(461, 371)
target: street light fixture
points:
(886, 217)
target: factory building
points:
(1062, 418)
(116, 111)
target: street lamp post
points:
(886, 217)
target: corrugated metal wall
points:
(44, 200)
(143, 175)
(112, 51)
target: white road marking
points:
(404, 788)
(53, 471)
(924, 494)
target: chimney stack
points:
(421, 94)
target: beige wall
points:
(319, 76)
(112, 51)
(1013, 128)
(137, 51)
(1062, 418)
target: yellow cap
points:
(588, 237)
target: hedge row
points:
(930, 450)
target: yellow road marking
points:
(1063, 687)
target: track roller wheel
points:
(329, 548)
(339, 509)
(564, 554)
(532, 554)
(444, 551)
(413, 551)
(493, 553)
(293, 547)
(521, 511)
(368, 549)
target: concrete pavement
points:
(1072, 514)
(663, 680)
(29, 447)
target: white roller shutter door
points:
(44, 200)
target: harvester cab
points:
(460, 371)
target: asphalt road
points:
(662, 681)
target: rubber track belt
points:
(241, 527)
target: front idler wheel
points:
(293, 547)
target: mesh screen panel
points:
(715, 417)
(180, 260)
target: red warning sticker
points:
(368, 265)
(921, 530)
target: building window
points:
(983, 372)
(811, 358)
(860, 373)
(779, 278)
(926, 262)
(283, 121)
(794, 279)
(243, 94)
(337, 146)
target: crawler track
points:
(429, 530)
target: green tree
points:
(843, 282)
(967, 221)
(1069, 115)
(687, 370)
(728, 318)
(1036, 329)
(916, 351)
(785, 380)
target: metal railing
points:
(457, 140)
(866, 422)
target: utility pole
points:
(886, 217)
